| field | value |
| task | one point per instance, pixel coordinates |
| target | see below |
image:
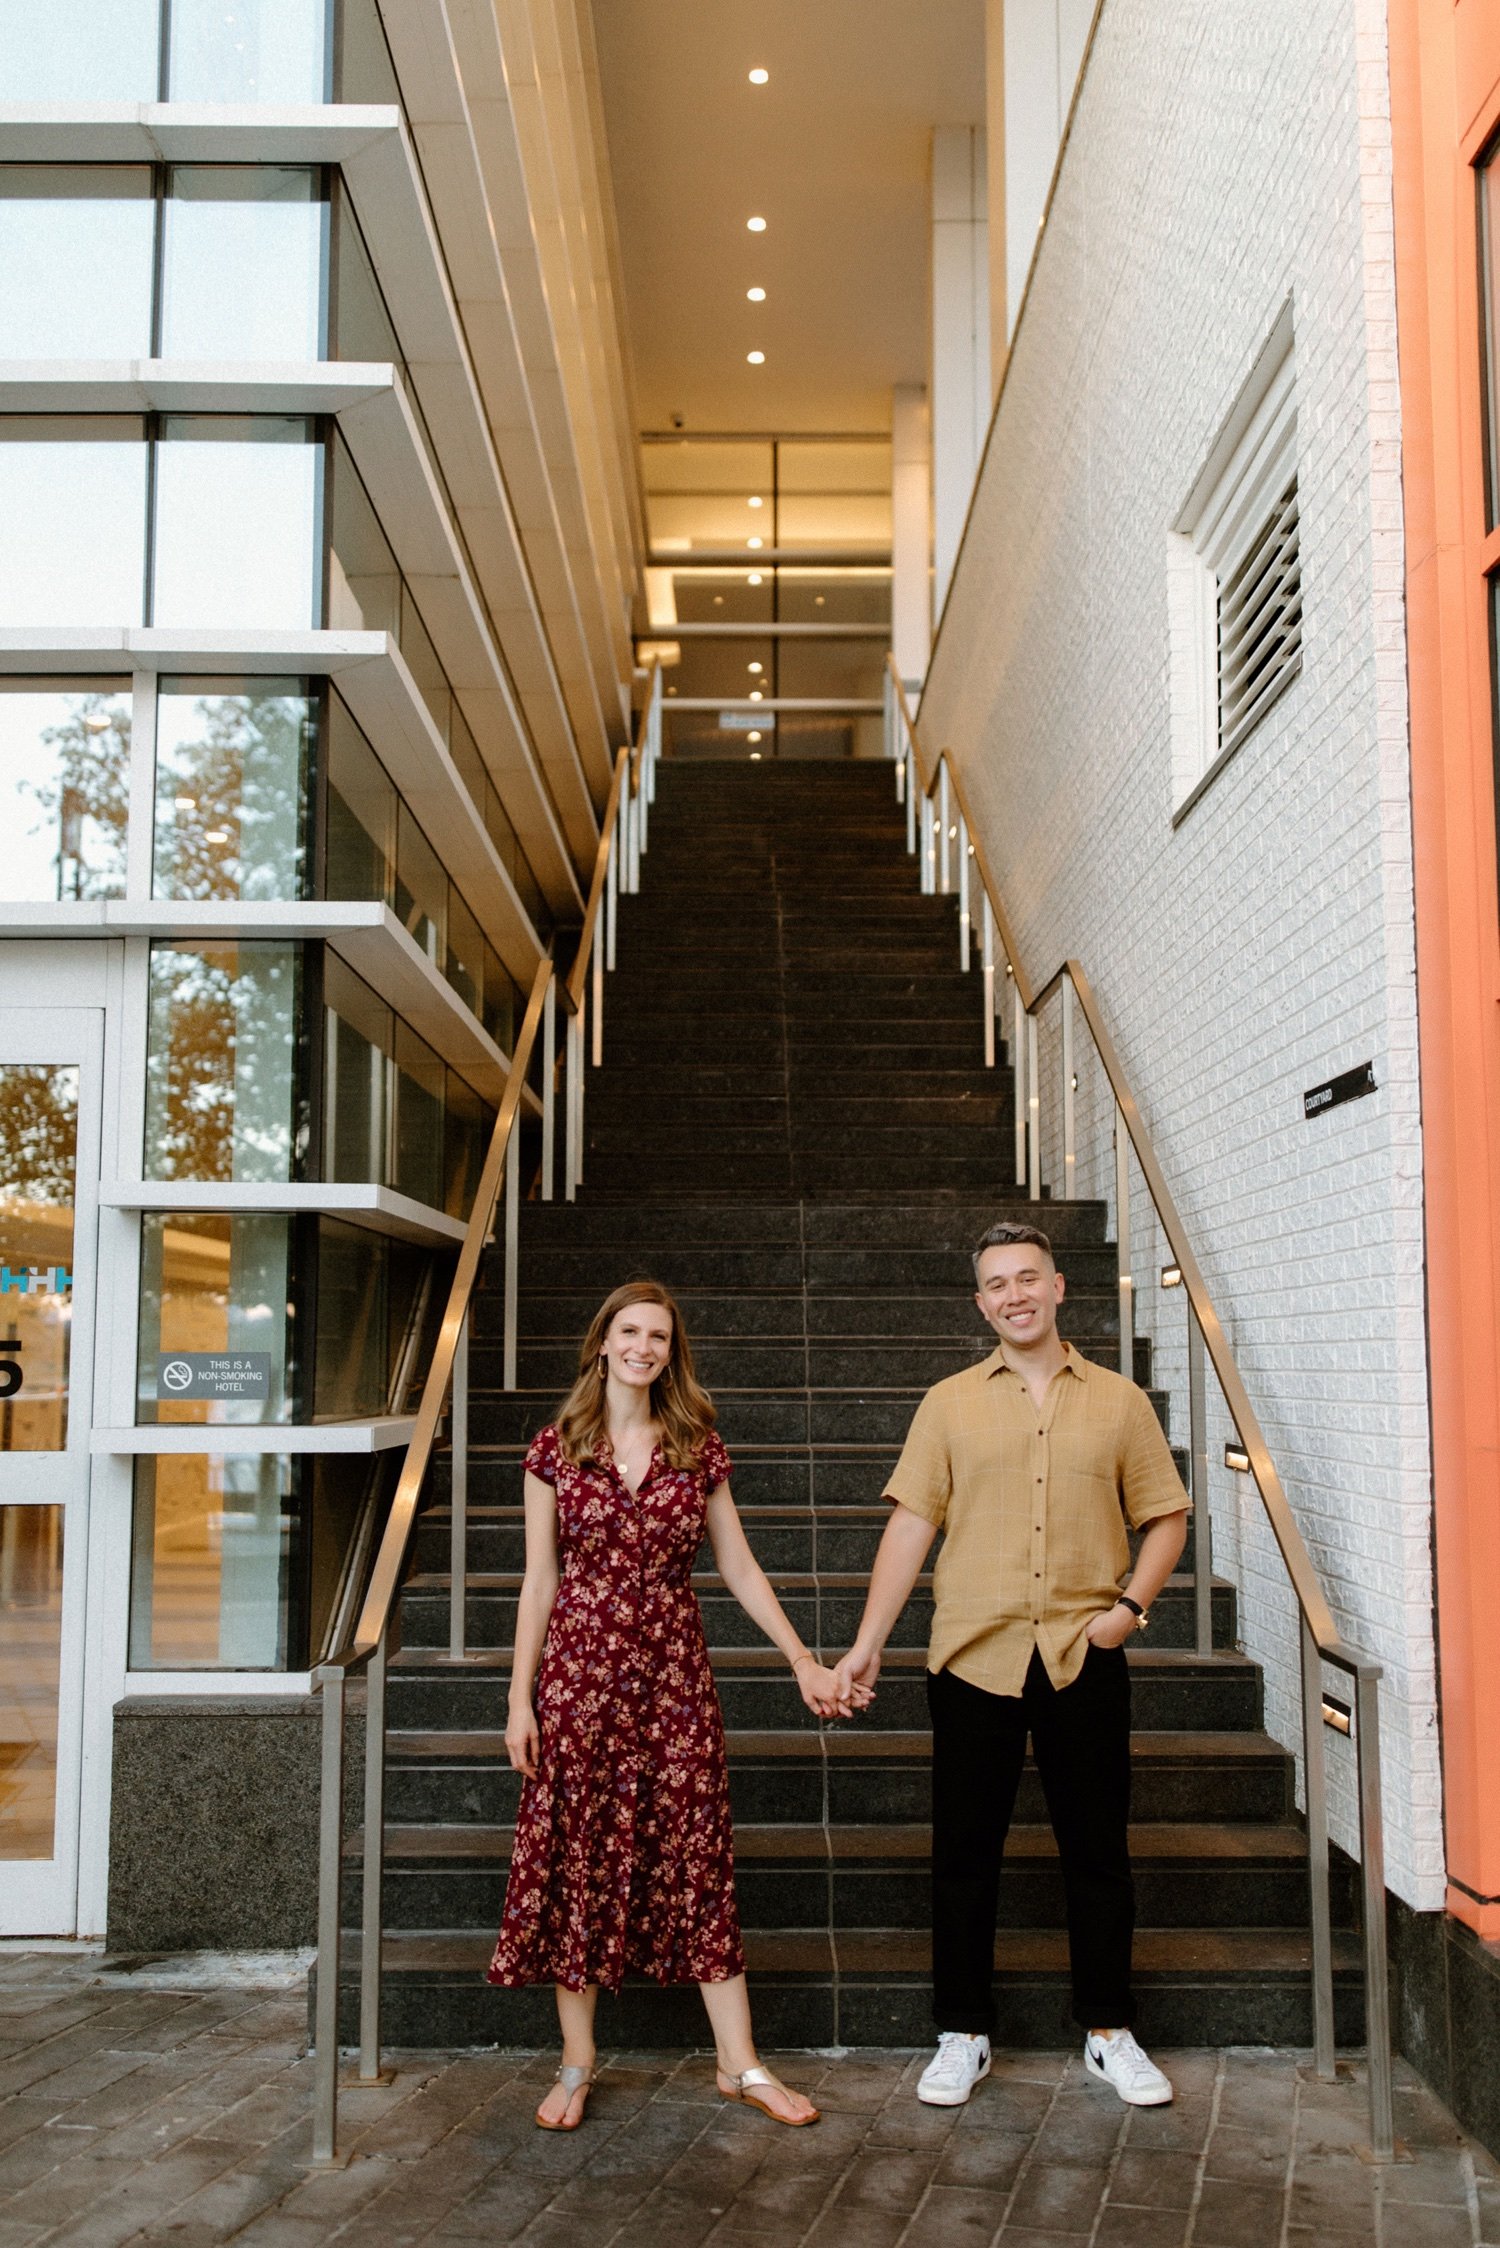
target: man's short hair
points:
(1008, 1234)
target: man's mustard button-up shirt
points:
(1033, 1503)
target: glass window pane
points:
(212, 1562)
(421, 887)
(242, 265)
(222, 1094)
(364, 585)
(834, 597)
(360, 846)
(466, 1129)
(231, 788)
(352, 1348)
(31, 1564)
(248, 50)
(78, 483)
(79, 50)
(851, 670)
(464, 964)
(214, 1327)
(359, 323)
(236, 522)
(38, 1162)
(358, 1070)
(76, 245)
(698, 492)
(419, 1118)
(64, 776)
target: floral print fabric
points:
(623, 1859)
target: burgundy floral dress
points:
(623, 1861)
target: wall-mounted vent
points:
(1260, 624)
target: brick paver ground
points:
(134, 2108)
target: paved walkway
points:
(170, 2106)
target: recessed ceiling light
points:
(755, 756)
(755, 667)
(817, 600)
(756, 358)
(185, 803)
(756, 226)
(718, 600)
(755, 542)
(216, 835)
(754, 737)
(755, 578)
(755, 500)
(98, 723)
(759, 77)
(756, 695)
(756, 296)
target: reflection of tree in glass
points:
(221, 1077)
(230, 802)
(87, 793)
(38, 1133)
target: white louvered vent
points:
(1260, 624)
(1234, 578)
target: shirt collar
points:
(1073, 1363)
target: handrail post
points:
(458, 1503)
(612, 901)
(1070, 1149)
(598, 1025)
(1203, 1579)
(581, 1087)
(549, 1090)
(988, 924)
(929, 882)
(1372, 1869)
(909, 768)
(1315, 1790)
(945, 792)
(512, 1254)
(1033, 1113)
(372, 1901)
(963, 893)
(633, 832)
(1018, 1070)
(571, 1046)
(1122, 1247)
(330, 1914)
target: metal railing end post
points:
(325, 2155)
(1372, 1873)
(372, 1914)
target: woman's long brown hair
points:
(680, 1406)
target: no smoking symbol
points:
(178, 1375)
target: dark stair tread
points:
(1200, 1843)
(727, 1659)
(1171, 1954)
(480, 1746)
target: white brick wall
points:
(1222, 159)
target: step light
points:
(1238, 1458)
(1338, 1715)
(1171, 1276)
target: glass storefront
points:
(64, 779)
(31, 1566)
(38, 1184)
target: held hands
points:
(823, 1693)
(1110, 1628)
(854, 1680)
(523, 1741)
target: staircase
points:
(794, 1132)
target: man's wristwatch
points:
(1141, 1615)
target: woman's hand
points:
(523, 1741)
(820, 1689)
(1110, 1628)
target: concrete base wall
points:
(214, 1822)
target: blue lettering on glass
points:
(35, 1280)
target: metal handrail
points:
(622, 839)
(933, 793)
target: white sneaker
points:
(1119, 2061)
(957, 2066)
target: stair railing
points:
(617, 864)
(942, 834)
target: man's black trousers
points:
(1080, 1737)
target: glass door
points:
(49, 1136)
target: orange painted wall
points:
(1445, 76)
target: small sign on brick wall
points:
(1351, 1086)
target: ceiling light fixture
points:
(760, 77)
(756, 358)
(755, 578)
(756, 695)
(755, 737)
(755, 226)
(755, 756)
(756, 667)
(755, 500)
(756, 296)
(755, 542)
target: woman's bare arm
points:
(533, 1613)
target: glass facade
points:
(243, 259)
(78, 483)
(237, 522)
(31, 1563)
(214, 50)
(226, 1094)
(77, 248)
(64, 778)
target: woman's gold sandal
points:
(744, 2088)
(573, 2081)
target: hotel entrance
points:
(49, 1131)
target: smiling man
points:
(1032, 1464)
